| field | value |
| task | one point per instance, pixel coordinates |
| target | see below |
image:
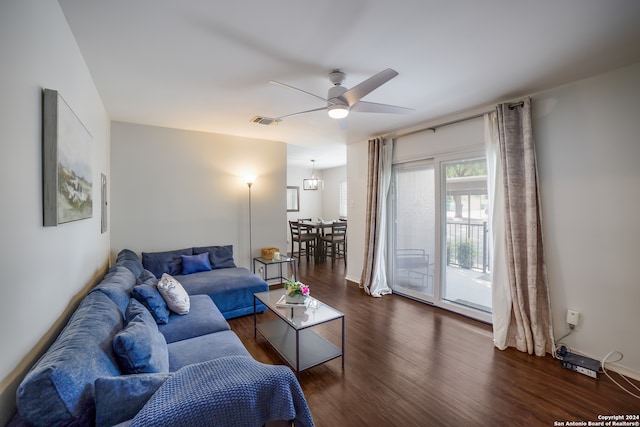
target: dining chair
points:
(335, 243)
(306, 240)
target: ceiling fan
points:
(340, 100)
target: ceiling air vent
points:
(264, 120)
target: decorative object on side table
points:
(295, 292)
(267, 253)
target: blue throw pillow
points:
(150, 297)
(140, 348)
(220, 256)
(195, 263)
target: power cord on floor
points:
(559, 341)
(604, 369)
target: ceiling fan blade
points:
(273, 82)
(372, 107)
(300, 112)
(361, 90)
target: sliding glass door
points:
(414, 229)
(465, 277)
(438, 240)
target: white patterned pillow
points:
(174, 294)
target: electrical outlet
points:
(572, 317)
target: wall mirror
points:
(293, 199)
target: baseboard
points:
(352, 281)
(622, 370)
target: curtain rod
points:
(453, 122)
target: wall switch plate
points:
(572, 317)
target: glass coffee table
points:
(291, 334)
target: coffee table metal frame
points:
(291, 334)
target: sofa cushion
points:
(117, 284)
(134, 308)
(194, 263)
(231, 289)
(204, 347)
(129, 259)
(174, 294)
(219, 256)
(150, 297)
(140, 348)
(58, 390)
(147, 277)
(119, 399)
(165, 262)
(203, 318)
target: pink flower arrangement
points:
(293, 287)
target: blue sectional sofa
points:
(117, 362)
(231, 288)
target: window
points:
(342, 202)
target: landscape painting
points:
(67, 157)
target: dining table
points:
(318, 227)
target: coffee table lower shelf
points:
(312, 349)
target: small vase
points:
(294, 299)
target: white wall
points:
(357, 164)
(331, 194)
(588, 146)
(43, 268)
(175, 188)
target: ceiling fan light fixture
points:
(338, 111)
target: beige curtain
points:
(374, 274)
(530, 328)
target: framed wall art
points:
(103, 203)
(66, 163)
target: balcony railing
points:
(467, 245)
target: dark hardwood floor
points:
(410, 364)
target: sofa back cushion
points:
(129, 259)
(58, 390)
(219, 256)
(117, 285)
(165, 262)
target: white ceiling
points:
(204, 65)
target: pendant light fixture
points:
(313, 183)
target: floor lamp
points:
(249, 184)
